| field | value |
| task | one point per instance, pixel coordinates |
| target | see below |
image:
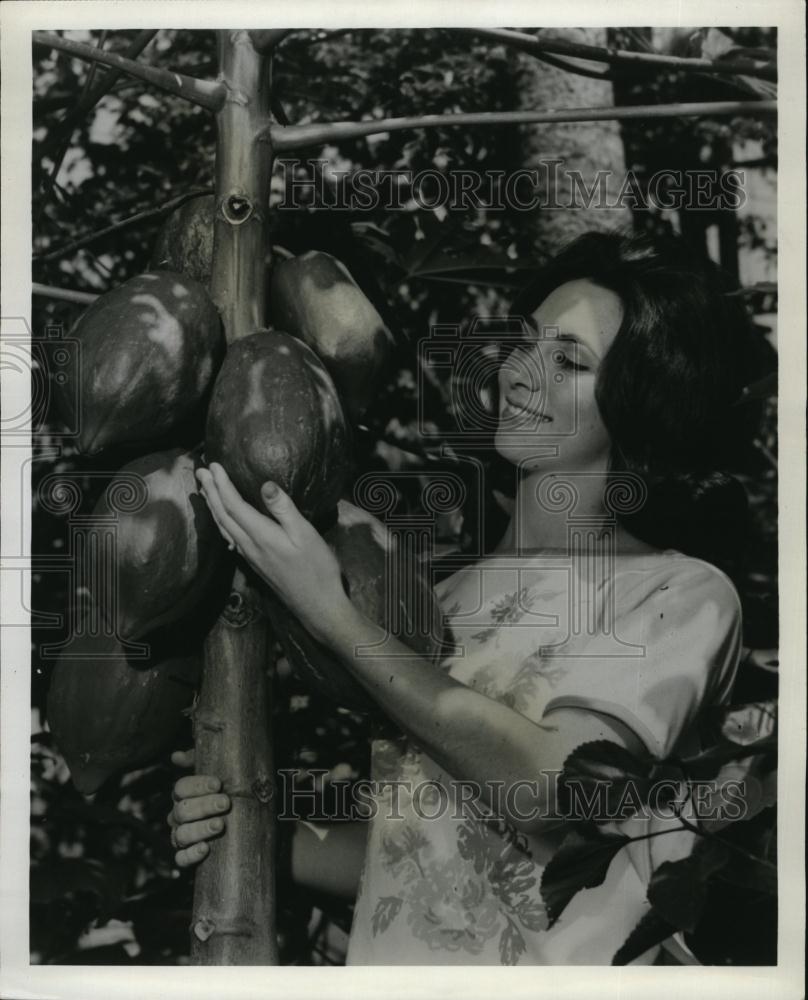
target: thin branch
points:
(132, 220)
(574, 68)
(89, 100)
(763, 68)
(63, 294)
(203, 93)
(295, 137)
(50, 180)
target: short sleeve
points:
(683, 634)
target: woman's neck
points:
(547, 508)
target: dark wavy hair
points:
(670, 387)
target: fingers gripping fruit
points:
(314, 297)
(185, 243)
(109, 714)
(385, 588)
(148, 353)
(168, 553)
(275, 414)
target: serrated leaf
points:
(678, 889)
(606, 773)
(581, 862)
(651, 930)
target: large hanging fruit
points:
(389, 592)
(275, 414)
(148, 353)
(314, 297)
(185, 243)
(109, 714)
(169, 552)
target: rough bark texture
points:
(233, 920)
(586, 147)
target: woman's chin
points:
(522, 449)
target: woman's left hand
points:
(283, 548)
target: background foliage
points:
(103, 886)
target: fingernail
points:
(221, 803)
(213, 785)
(216, 825)
(270, 489)
(202, 848)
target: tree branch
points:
(203, 93)
(64, 294)
(89, 100)
(132, 220)
(64, 137)
(530, 43)
(295, 137)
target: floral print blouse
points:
(446, 882)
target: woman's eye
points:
(564, 360)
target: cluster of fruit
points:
(275, 404)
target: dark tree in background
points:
(103, 885)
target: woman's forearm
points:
(328, 857)
(474, 738)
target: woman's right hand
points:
(198, 813)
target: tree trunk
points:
(233, 920)
(585, 148)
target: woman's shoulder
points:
(685, 581)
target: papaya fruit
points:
(169, 552)
(148, 353)
(109, 714)
(385, 589)
(275, 414)
(185, 242)
(314, 297)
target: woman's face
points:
(548, 417)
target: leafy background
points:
(103, 885)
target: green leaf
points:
(651, 930)
(748, 724)
(677, 889)
(751, 873)
(605, 773)
(581, 862)
(707, 763)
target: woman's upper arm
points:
(685, 639)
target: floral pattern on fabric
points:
(489, 889)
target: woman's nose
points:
(522, 372)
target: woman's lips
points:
(512, 409)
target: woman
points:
(586, 623)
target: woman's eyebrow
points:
(557, 334)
